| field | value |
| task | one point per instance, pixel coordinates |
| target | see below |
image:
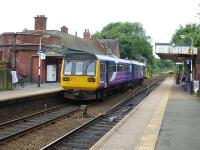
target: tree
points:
(133, 42)
(132, 38)
(191, 30)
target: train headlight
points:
(66, 78)
(91, 79)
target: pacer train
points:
(86, 76)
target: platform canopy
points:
(170, 51)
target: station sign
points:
(170, 48)
(190, 51)
(188, 61)
(42, 56)
(180, 58)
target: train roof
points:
(72, 56)
(137, 63)
(115, 59)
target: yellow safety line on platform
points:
(150, 135)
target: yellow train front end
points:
(80, 82)
(80, 77)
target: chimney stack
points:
(40, 22)
(76, 33)
(86, 35)
(64, 29)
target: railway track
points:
(20, 126)
(88, 134)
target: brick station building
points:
(20, 49)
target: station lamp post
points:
(40, 52)
(191, 48)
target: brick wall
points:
(117, 50)
(6, 53)
(35, 68)
(86, 35)
(23, 62)
(35, 40)
(27, 38)
(1, 55)
(6, 42)
(7, 39)
(43, 69)
(40, 22)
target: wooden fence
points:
(5, 77)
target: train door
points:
(107, 73)
(133, 71)
(104, 73)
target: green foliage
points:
(133, 42)
(132, 38)
(163, 66)
(190, 30)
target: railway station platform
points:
(29, 90)
(168, 119)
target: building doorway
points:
(51, 73)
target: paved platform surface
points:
(140, 129)
(180, 129)
(29, 89)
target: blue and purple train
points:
(86, 76)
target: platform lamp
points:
(191, 48)
(40, 52)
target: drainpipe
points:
(14, 49)
(30, 71)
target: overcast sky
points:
(160, 18)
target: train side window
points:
(90, 69)
(120, 67)
(68, 68)
(127, 68)
(140, 68)
(136, 68)
(112, 68)
(79, 68)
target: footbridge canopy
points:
(169, 51)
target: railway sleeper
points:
(74, 147)
(106, 124)
(77, 140)
(93, 133)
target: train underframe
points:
(99, 94)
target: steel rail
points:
(87, 134)
(19, 127)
